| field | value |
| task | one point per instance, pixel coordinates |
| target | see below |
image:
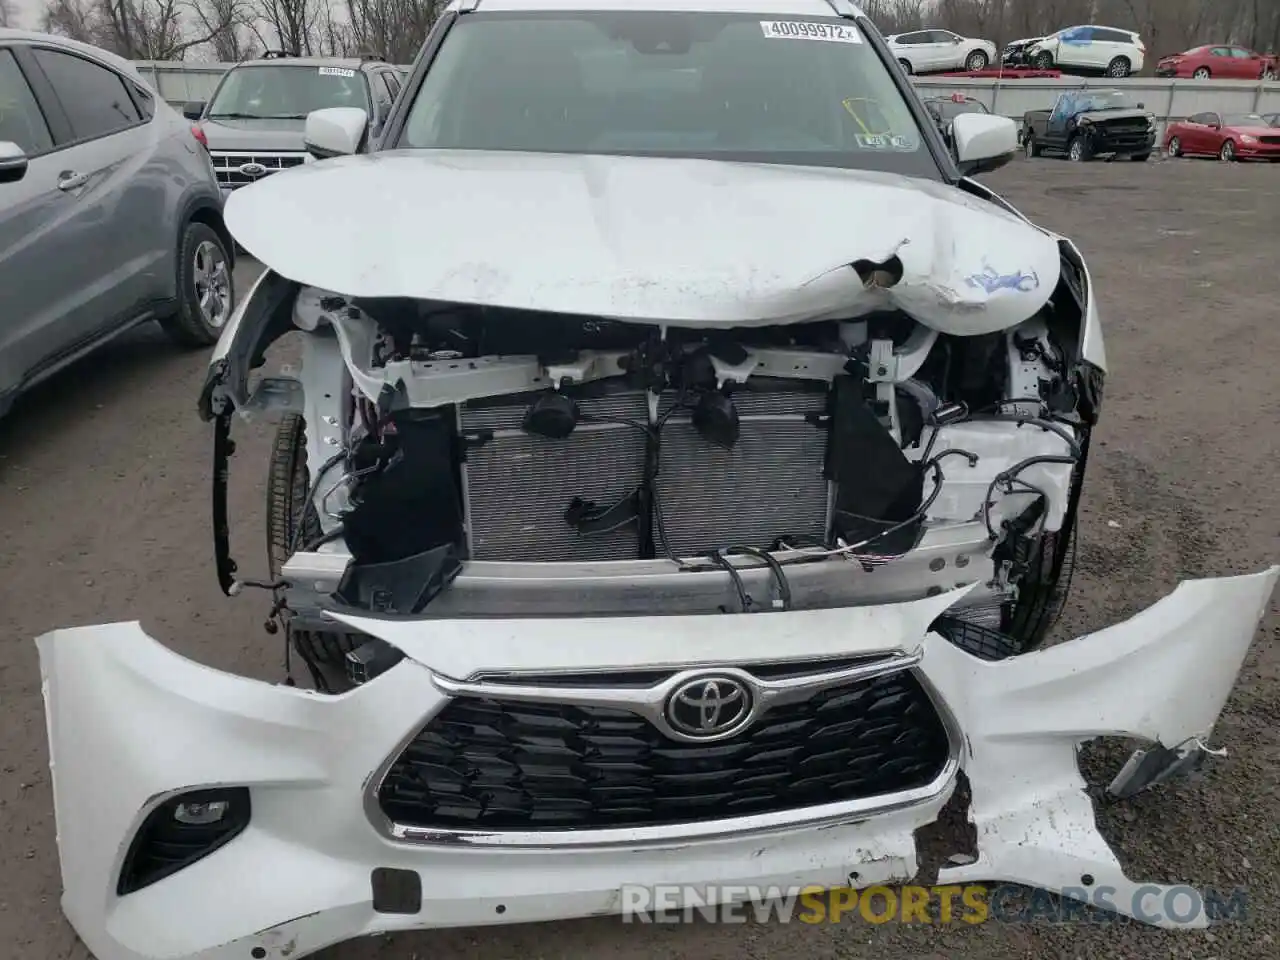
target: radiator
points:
(769, 485)
(517, 486)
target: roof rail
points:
(843, 8)
(277, 54)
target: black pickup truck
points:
(1084, 124)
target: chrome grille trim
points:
(790, 821)
(227, 164)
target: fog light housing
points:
(180, 831)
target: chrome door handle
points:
(72, 181)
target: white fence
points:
(1168, 99)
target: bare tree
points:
(295, 24)
(393, 29)
(137, 29)
(896, 16)
(8, 13)
(227, 24)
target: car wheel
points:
(1119, 67)
(1043, 60)
(906, 67)
(976, 61)
(292, 519)
(206, 288)
(1269, 74)
(1030, 147)
(1228, 152)
(1201, 73)
(1078, 149)
(1175, 147)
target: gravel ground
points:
(104, 492)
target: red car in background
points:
(1240, 136)
(1221, 61)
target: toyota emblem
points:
(709, 707)
(252, 169)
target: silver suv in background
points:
(109, 211)
(253, 123)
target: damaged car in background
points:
(679, 485)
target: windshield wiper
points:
(257, 116)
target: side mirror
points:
(983, 142)
(335, 131)
(956, 40)
(13, 162)
(193, 109)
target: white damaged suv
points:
(679, 485)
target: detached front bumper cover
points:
(133, 726)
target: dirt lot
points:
(104, 494)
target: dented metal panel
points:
(713, 245)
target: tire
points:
(1078, 149)
(1175, 147)
(1228, 152)
(1119, 67)
(1030, 148)
(1201, 73)
(1043, 60)
(977, 60)
(1140, 157)
(906, 67)
(206, 288)
(288, 483)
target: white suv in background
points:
(1106, 50)
(927, 51)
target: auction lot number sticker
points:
(806, 30)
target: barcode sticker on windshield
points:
(805, 30)
(336, 72)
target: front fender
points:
(261, 318)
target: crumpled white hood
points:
(688, 242)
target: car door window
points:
(392, 84)
(145, 100)
(913, 38)
(21, 121)
(94, 98)
(1241, 54)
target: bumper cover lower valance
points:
(132, 725)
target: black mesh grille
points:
(523, 766)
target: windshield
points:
(1244, 120)
(704, 85)
(280, 92)
(1106, 100)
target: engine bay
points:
(476, 459)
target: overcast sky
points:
(28, 13)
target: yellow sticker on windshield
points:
(809, 30)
